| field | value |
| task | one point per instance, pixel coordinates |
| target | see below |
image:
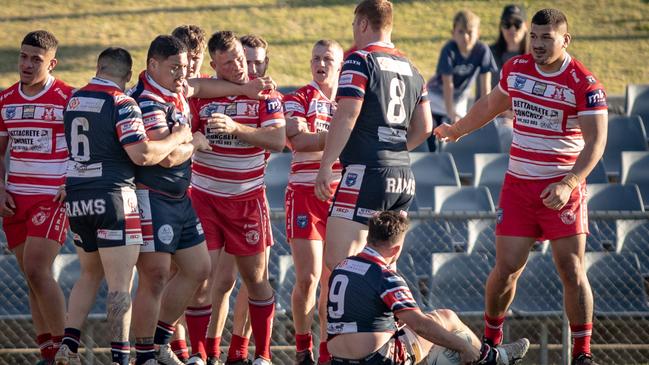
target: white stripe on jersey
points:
(543, 144)
(224, 188)
(226, 162)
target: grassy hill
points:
(610, 37)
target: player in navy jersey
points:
(382, 112)
(105, 133)
(369, 334)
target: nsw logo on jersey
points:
(351, 178)
(9, 113)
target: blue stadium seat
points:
(484, 140)
(458, 281)
(635, 170)
(598, 175)
(276, 179)
(67, 270)
(465, 198)
(602, 235)
(624, 134)
(430, 170)
(490, 169)
(614, 197)
(637, 102)
(481, 236)
(539, 290)
(421, 148)
(633, 237)
(616, 283)
(13, 288)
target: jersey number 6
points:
(79, 141)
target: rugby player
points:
(560, 131)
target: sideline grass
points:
(610, 38)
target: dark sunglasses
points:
(517, 23)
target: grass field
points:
(610, 37)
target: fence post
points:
(566, 340)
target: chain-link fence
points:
(446, 260)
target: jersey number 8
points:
(79, 141)
(396, 113)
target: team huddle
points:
(168, 178)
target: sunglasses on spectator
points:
(517, 23)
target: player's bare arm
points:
(340, 129)
(214, 88)
(485, 83)
(421, 126)
(151, 152)
(272, 138)
(7, 204)
(484, 111)
(447, 93)
(300, 138)
(594, 130)
(428, 328)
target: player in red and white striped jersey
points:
(31, 118)
(228, 186)
(559, 135)
(312, 107)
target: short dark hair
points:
(192, 35)
(115, 61)
(253, 41)
(385, 228)
(327, 43)
(377, 12)
(553, 17)
(41, 39)
(164, 46)
(222, 41)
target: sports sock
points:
(119, 352)
(197, 319)
(45, 345)
(179, 347)
(238, 348)
(581, 334)
(163, 333)
(212, 345)
(493, 329)
(323, 352)
(144, 351)
(261, 321)
(303, 342)
(71, 339)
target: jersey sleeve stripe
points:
(594, 112)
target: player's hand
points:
(222, 123)
(323, 182)
(470, 354)
(60, 195)
(7, 203)
(295, 126)
(446, 133)
(256, 89)
(200, 142)
(184, 132)
(556, 195)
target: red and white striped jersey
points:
(310, 103)
(34, 125)
(233, 168)
(547, 137)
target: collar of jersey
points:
(564, 66)
(161, 90)
(317, 87)
(373, 255)
(48, 84)
(104, 82)
(380, 44)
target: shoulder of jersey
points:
(522, 61)
(63, 89)
(6, 93)
(581, 73)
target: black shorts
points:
(104, 218)
(364, 191)
(392, 352)
(168, 224)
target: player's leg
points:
(197, 318)
(178, 343)
(568, 254)
(241, 328)
(223, 277)
(344, 238)
(323, 353)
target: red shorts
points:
(35, 216)
(521, 212)
(306, 215)
(241, 227)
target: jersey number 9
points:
(337, 296)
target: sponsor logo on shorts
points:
(568, 217)
(165, 234)
(351, 178)
(110, 234)
(364, 212)
(252, 237)
(302, 221)
(134, 239)
(342, 212)
(499, 215)
(40, 217)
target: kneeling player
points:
(368, 333)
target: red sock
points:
(45, 344)
(197, 319)
(581, 336)
(323, 353)
(261, 321)
(212, 347)
(179, 347)
(238, 348)
(493, 329)
(56, 342)
(303, 342)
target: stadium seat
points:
(483, 140)
(481, 236)
(539, 290)
(458, 281)
(465, 198)
(635, 170)
(66, 270)
(430, 170)
(614, 197)
(602, 235)
(598, 175)
(624, 134)
(637, 102)
(276, 179)
(490, 169)
(285, 282)
(633, 237)
(421, 148)
(616, 283)
(13, 289)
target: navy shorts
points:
(103, 218)
(364, 191)
(168, 224)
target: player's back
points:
(391, 88)
(99, 120)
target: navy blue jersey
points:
(364, 294)
(99, 121)
(161, 109)
(391, 89)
